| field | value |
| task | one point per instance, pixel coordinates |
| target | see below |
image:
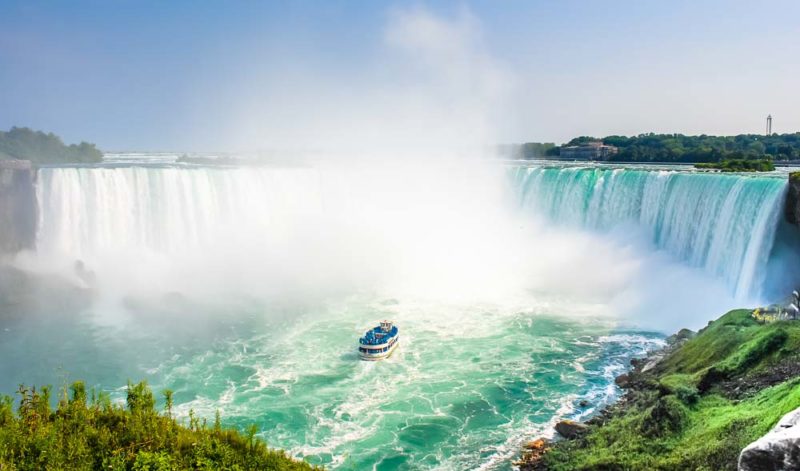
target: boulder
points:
(623, 380)
(532, 454)
(534, 445)
(570, 429)
(777, 450)
(638, 363)
(653, 360)
(679, 337)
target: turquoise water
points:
(467, 385)
(245, 291)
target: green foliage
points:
(708, 435)
(42, 148)
(682, 386)
(667, 415)
(147, 461)
(689, 149)
(763, 343)
(683, 421)
(99, 435)
(712, 344)
(739, 165)
(168, 402)
(140, 398)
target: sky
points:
(243, 75)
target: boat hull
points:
(378, 353)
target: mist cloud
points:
(432, 84)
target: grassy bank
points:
(89, 432)
(699, 406)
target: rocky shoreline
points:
(727, 370)
(533, 452)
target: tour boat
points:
(379, 342)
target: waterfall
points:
(722, 223)
(164, 209)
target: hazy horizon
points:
(356, 76)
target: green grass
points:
(676, 425)
(92, 433)
(716, 342)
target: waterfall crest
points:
(723, 223)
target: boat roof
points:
(377, 335)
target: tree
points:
(39, 147)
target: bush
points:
(87, 431)
(667, 416)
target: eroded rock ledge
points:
(791, 209)
(17, 206)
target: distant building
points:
(590, 151)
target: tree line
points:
(653, 147)
(44, 148)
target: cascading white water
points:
(277, 228)
(723, 223)
(85, 210)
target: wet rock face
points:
(777, 450)
(17, 206)
(791, 210)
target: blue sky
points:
(188, 75)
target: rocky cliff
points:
(17, 206)
(791, 209)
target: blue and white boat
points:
(379, 342)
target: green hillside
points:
(700, 405)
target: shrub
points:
(668, 415)
(88, 432)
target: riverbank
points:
(694, 405)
